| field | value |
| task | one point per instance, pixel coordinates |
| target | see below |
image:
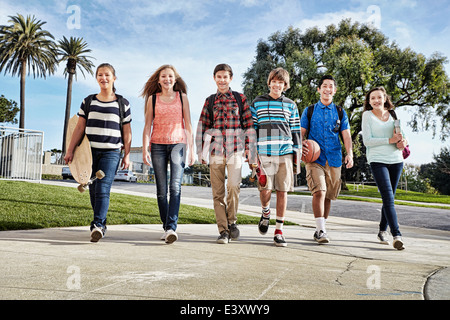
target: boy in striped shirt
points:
(277, 123)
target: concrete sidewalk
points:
(132, 263)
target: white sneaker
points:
(163, 237)
(398, 243)
(96, 234)
(171, 236)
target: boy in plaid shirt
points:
(225, 133)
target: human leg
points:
(160, 158)
(382, 175)
(99, 191)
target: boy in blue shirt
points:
(324, 175)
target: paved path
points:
(132, 263)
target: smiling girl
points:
(167, 135)
(384, 154)
(100, 119)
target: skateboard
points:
(258, 173)
(81, 164)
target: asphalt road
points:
(407, 215)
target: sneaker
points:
(171, 236)
(321, 237)
(263, 225)
(398, 243)
(223, 238)
(383, 237)
(279, 240)
(234, 232)
(96, 233)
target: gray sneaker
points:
(321, 237)
(223, 238)
(383, 237)
(234, 232)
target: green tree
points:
(360, 57)
(73, 51)
(24, 44)
(438, 171)
(8, 110)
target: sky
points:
(138, 36)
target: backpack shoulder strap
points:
(211, 100)
(87, 104)
(393, 114)
(340, 112)
(153, 104)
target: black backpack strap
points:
(393, 114)
(237, 97)
(309, 114)
(87, 104)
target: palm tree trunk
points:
(23, 75)
(68, 106)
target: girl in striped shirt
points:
(101, 121)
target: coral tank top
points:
(168, 124)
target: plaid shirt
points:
(228, 131)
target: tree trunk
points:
(68, 106)
(23, 75)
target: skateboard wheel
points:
(100, 174)
(81, 188)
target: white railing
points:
(21, 152)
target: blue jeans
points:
(387, 176)
(99, 191)
(175, 156)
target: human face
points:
(105, 78)
(377, 99)
(223, 79)
(327, 91)
(167, 79)
(276, 88)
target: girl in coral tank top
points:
(168, 136)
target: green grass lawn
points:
(25, 205)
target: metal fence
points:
(21, 153)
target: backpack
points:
(340, 111)
(212, 98)
(87, 107)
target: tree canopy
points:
(359, 57)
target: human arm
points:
(77, 135)
(348, 144)
(127, 145)
(188, 128)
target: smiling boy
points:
(224, 134)
(324, 175)
(277, 124)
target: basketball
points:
(314, 151)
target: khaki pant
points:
(226, 211)
(320, 178)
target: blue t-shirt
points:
(323, 122)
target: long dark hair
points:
(388, 105)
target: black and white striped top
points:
(103, 123)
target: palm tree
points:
(73, 51)
(25, 44)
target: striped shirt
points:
(277, 124)
(103, 123)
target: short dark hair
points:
(223, 67)
(327, 77)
